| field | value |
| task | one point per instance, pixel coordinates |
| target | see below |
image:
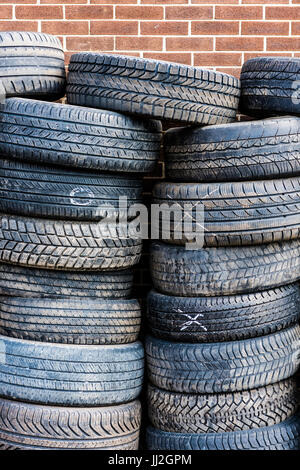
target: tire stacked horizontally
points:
(224, 318)
(71, 365)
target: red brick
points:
(189, 44)
(116, 2)
(215, 27)
(18, 1)
(164, 2)
(283, 44)
(238, 12)
(138, 43)
(18, 25)
(60, 1)
(189, 13)
(39, 12)
(252, 55)
(89, 12)
(235, 71)
(282, 13)
(239, 44)
(114, 27)
(265, 28)
(177, 57)
(164, 28)
(296, 28)
(263, 2)
(65, 27)
(139, 12)
(6, 12)
(217, 59)
(215, 2)
(89, 43)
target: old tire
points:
(222, 412)
(19, 281)
(151, 88)
(25, 426)
(67, 245)
(32, 65)
(238, 151)
(282, 436)
(70, 321)
(223, 367)
(223, 318)
(43, 191)
(270, 85)
(67, 374)
(237, 213)
(61, 134)
(223, 271)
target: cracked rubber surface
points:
(223, 271)
(19, 281)
(70, 321)
(32, 65)
(27, 426)
(222, 412)
(262, 149)
(74, 136)
(51, 192)
(282, 436)
(238, 213)
(56, 244)
(223, 367)
(270, 85)
(67, 374)
(223, 318)
(151, 88)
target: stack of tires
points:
(71, 367)
(224, 318)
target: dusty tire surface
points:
(223, 271)
(25, 426)
(223, 367)
(270, 86)
(70, 321)
(19, 281)
(66, 135)
(152, 88)
(282, 436)
(237, 213)
(67, 245)
(41, 191)
(223, 318)
(262, 149)
(32, 65)
(222, 412)
(67, 374)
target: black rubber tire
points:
(239, 213)
(41, 191)
(19, 281)
(152, 88)
(223, 367)
(282, 436)
(222, 412)
(223, 271)
(71, 320)
(270, 85)
(32, 65)
(247, 150)
(61, 134)
(67, 245)
(223, 318)
(67, 374)
(25, 426)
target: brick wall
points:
(211, 33)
